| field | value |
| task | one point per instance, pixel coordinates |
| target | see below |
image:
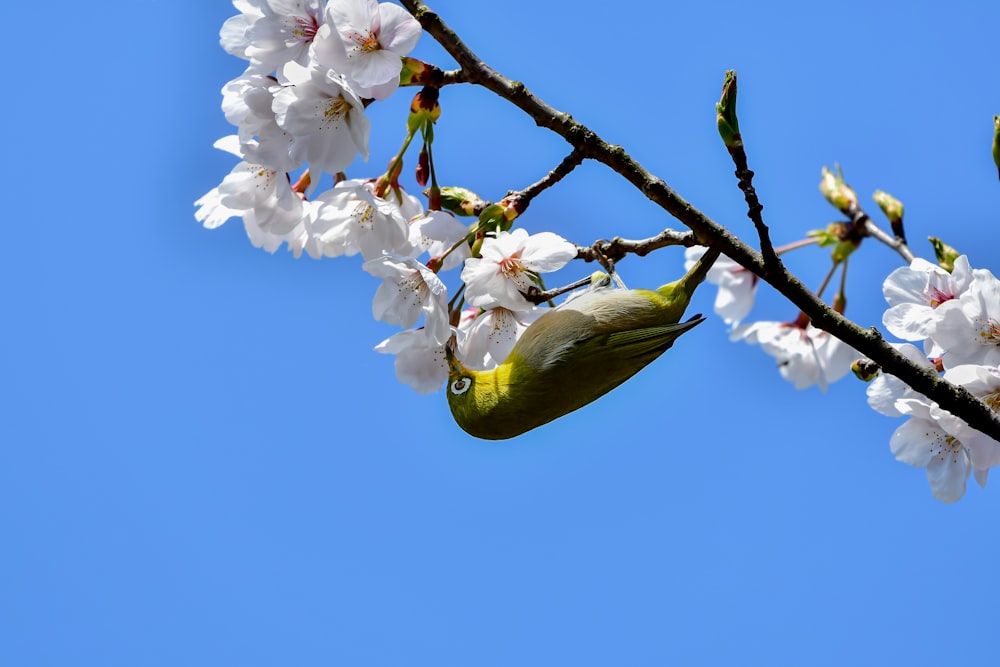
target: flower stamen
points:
(307, 27)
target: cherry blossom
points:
(420, 360)
(509, 264)
(806, 355)
(325, 119)
(922, 442)
(436, 232)
(968, 328)
(233, 34)
(983, 382)
(364, 40)
(914, 292)
(252, 188)
(935, 439)
(491, 336)
(247, 102)
(280, 31)
(408, 290)
(886, 389)
(350, 219)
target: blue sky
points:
(202, 462)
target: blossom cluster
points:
(299, 107)
(300, 104)
(805, 355)
(955, 316)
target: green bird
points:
(572, 355)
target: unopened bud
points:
(725, 110)
(893, 209)
(461, 201)
(513, 205)
(492, 219)
(945, 254)
(434, 263)
(865, 370)
(423, 168)
(996, 143)
(836, 191)
(424, 110)
(418, 73)
(840, 303)
(843, 237)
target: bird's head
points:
(460, 378)
(472, 396)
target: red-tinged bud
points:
(434, 263)
(424, 110)
(996, 143)
(390, 179)
(938, 364)
(303, 183)
(513, 206)
(433, 198)
(801, 322)
(840, 303)
(423, 168)
(418, 73)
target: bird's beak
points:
(454, 365)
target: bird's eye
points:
(460, 386)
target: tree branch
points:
(868, 342)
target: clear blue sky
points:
(202, 462)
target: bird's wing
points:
(638, 343)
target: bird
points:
(572, 355)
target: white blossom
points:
(983, 382)
(922, 442)
(886, 389)
(915, 292)
(968, 328)
(509, 263)
(349, 219)
(250, 187)
(364, 41)
(283, 32)
(491, 336)
(408, 290)
(806, 355)
(435, 232)
(420, 360)
(325, 119)
(233, 35)
(247, 103)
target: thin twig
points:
(618, 247)
(897, 243)
(536, 296)
(568, 164)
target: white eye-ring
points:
(460, 386)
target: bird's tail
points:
(682, 289)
